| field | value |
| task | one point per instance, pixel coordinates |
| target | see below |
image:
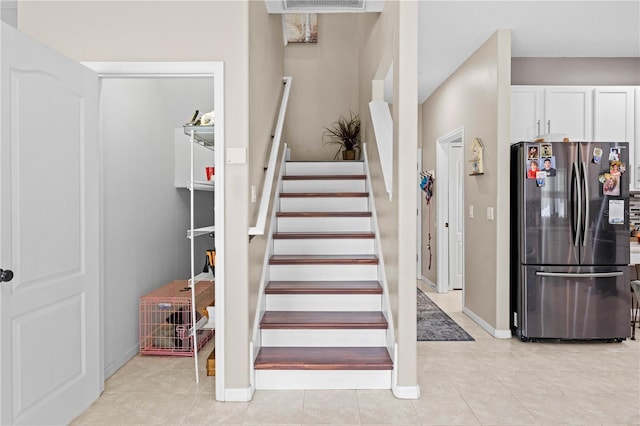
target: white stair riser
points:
(323, 272)
(327, 338)
(324, 204)
(338, 185)
(323, 302)
(323, 224)
(322, 379)
(323, 246)
(307, 168)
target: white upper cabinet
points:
(613, 120)
(526, 113)
(557, 110)
(568, 111)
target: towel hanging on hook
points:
(426, 184)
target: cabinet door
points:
(526, 113)
(568, 110)
(613, 120)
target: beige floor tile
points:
(111, 409)
(207, 411)
(610, 408)
(476, 382)
(436, 409)
(555, 409)
(436, 382)
(336, 407)
(162, 409)
(499, 409)
(275, 407)
(527, 382)
(381, 407)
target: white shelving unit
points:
(204, 136)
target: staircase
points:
(323, 326)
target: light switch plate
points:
(470, 212)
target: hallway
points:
(488, 381)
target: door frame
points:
(442, 184)
(181, 70)
(419, 219)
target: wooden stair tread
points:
(323, 358)
(323, 214)
(324, 177)
(323, 259)
(324, 194)
(320, 235)
(323, 287)
(333, 320)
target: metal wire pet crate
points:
(165, 318)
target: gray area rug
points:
(435, 325)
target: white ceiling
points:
(450, 31)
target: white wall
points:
(145, 217)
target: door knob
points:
(6, 275)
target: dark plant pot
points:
(349, 154)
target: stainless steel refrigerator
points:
(570, 240)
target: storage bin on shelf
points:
(165, 318)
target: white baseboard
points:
(110, 369)
(427, 281)
(238, 394)
(498, 334)
(406, 392)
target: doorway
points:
(450, 214)
(145, 203)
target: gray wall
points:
(576, 71)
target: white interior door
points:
(456, 216)
(49, 318)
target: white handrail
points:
(261, 221)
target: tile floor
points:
(488, 382)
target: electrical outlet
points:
(470, 212)
(489, 213)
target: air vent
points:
(324, 6)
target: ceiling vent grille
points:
(324, 6)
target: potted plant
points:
(346, 133)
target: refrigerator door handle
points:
(585, 200)
(576, 208)
(578, 275)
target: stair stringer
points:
(256, 339)
(382, 275)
